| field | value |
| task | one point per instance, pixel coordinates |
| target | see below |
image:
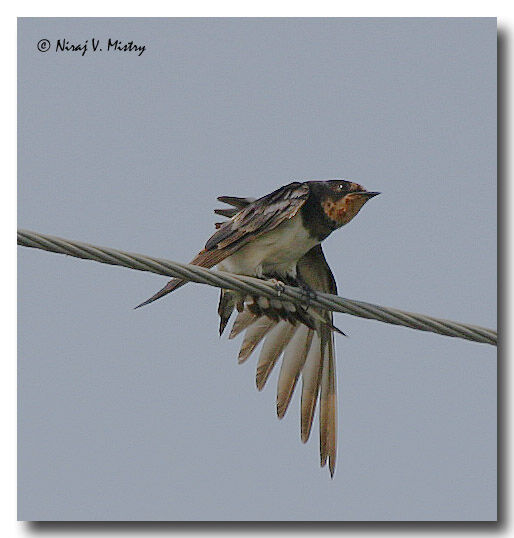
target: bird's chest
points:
(275, 251)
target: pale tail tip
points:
(331, 464)
(243, 355)
(283, 400)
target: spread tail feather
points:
(278, 339)
(292, 364)
(254, 334)
(311, 374)
(243, 320)
(328, 406)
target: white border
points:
(48, 8)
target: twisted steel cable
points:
(255, 286)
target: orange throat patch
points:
(343, 210)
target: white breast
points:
(274, 252)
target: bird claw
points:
(278, 285)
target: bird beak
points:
(366, 194)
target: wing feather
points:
(258, 217)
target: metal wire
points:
(255, 286)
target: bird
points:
(278, 237)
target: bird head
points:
(341, 200)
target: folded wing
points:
(249, 220)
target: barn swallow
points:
(278, 236)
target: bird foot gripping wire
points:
(278, 285)
(307, 293)
(288, 310)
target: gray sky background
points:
(145, 415)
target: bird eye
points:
(340, 187)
